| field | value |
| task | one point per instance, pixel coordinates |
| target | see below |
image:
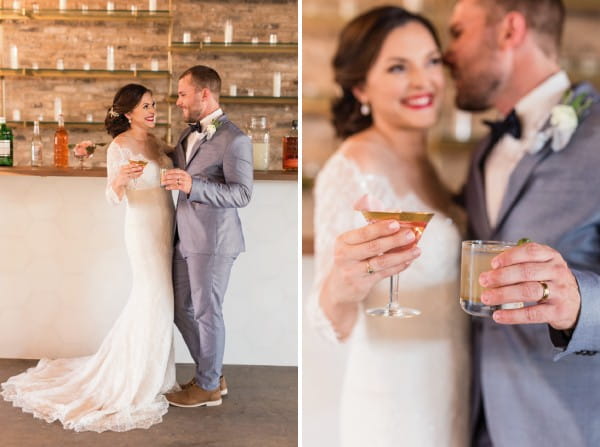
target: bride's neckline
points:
(136, 154)
(387, 185)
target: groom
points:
(536, 369)
(213, 161)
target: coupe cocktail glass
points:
(416, 221)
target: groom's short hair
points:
(204, 77)
(545, 18)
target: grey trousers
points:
(199, 282)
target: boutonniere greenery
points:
(212, 128)
(563, 121)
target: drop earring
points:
(365, 110)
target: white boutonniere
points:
(212, 128)
(563, 121)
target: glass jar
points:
(259, 134)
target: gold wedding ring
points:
(370, 270)
(545, 293)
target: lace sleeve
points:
(114, 160)
(339, 185)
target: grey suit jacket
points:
(207, 220)
(536, 392)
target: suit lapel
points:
(518, 181)
(479, 213)
(194, 150)
(180, 147)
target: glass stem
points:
(394, 292)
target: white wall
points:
(64, 273)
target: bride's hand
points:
(364, 256)
(128, 172)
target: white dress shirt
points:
(533, 111)
(194, 137)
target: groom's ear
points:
(512, 30)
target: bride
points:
(121, 386)
(406, 381)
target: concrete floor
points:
(261, 410)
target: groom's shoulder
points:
(232, 130)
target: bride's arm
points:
(118, 173)
(342, 281)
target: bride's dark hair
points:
(359, 44)
(125, 100)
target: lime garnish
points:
(523, 240)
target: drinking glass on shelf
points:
(416, 221)
(476, 258)
(82, 151)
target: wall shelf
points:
(234, 47)
(254, 100)
(13, 14)
(49, 171)
(70, 124)
(80, 15)
(86, 74)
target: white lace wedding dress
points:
(406, 380)
(121, 386)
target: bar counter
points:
(65, 275)
(101, 172)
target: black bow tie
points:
(511, 125)
(196, 127)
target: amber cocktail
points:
(416, 221)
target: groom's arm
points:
(238, 171)
(584, 337)
(567, 300)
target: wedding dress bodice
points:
(117, 156)
(406, 380)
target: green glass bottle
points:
(6, 144)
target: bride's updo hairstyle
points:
(359, 45)
(125, 100)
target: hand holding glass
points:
(416, 221)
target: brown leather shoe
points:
(222, 385)
(194, 396)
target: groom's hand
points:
(538, 276)
(177, 180)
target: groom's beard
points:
(478, 81)
(478, 98)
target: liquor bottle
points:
(290, 148)
(36, 146)
(6, 144)
(61, 145)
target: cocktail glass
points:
(416, 221)
(476, 258)
(137, 162)
(83, 153)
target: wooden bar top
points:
(48, 171)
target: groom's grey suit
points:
(536, 385)
(208, 238)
